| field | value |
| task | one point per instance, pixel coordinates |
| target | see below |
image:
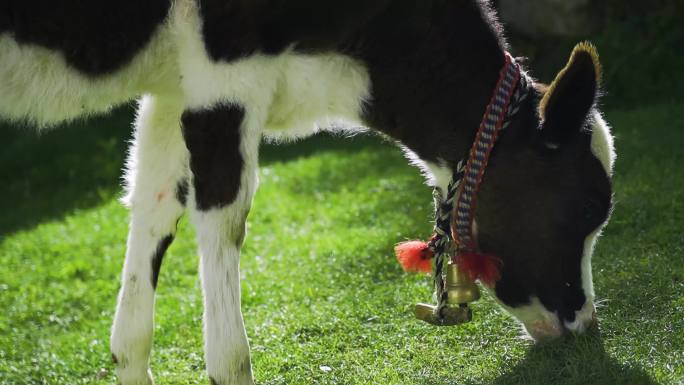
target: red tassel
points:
(480, 266)
(414, 256)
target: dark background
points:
(640, 43)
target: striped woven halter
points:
(453, 236)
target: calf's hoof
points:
(246, 381)
(236, 372)
(129, 377)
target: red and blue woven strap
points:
(492, 122)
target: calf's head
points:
(545, 198)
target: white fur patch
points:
(539, 323)
(602, 147)
(39, 87)
(290, 95)
(602, 142)
(436, 175)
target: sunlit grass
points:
(320, 287)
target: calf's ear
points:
(566, 104)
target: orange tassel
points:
(414, 256)
(480, 266)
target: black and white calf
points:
(218, 75)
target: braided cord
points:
(441, 242)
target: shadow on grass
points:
(581, 360)
(44, 176)
(49, 174)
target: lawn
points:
(323, 299)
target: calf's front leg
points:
(157, 188)
(223, 150)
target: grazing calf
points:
(218, 75)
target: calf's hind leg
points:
(157, 188)
(223, 150)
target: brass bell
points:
(460, 290)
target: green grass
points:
(320, 286)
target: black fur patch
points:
(213, 139)
(95, 37)
(182, 192)
(433, 78)
(238, 28)
(158, 257)
(114, 359)
(432, 64)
